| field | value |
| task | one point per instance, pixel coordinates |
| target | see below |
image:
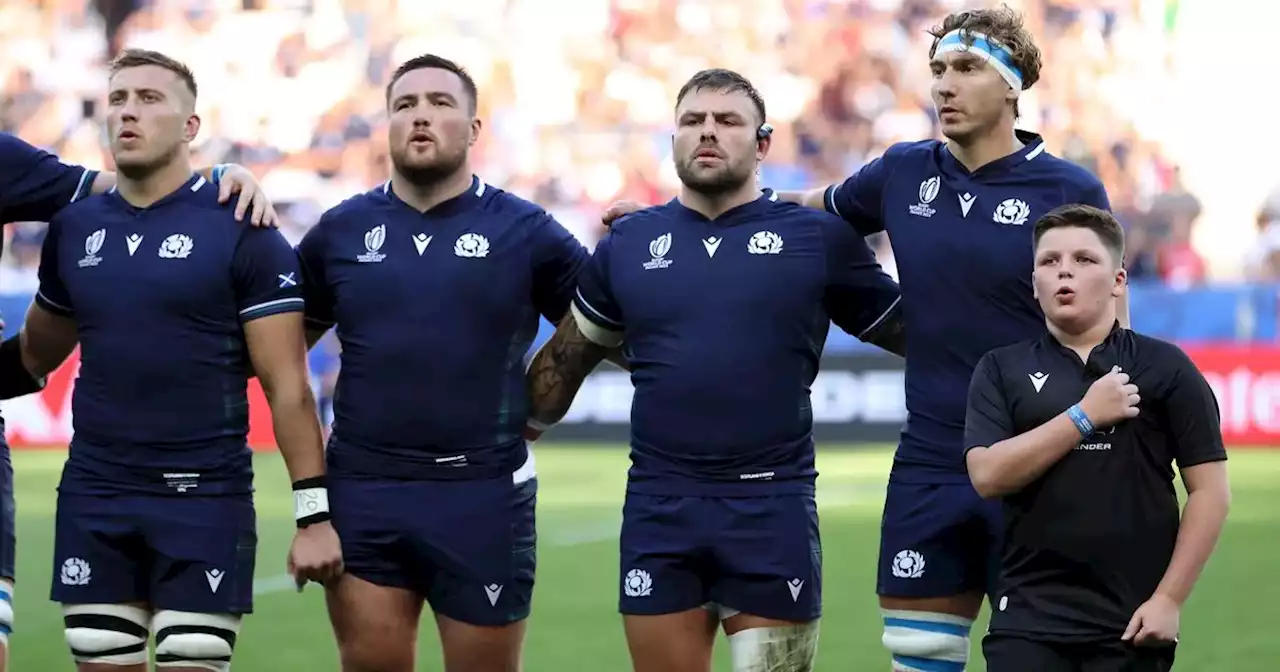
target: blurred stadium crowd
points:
(576, 95)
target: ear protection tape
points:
(764, 131)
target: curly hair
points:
(1003, 25)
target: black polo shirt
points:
(1087, 543)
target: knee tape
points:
(789, 648)
(186, 639)
(6, 610)
(107, 634)
(921, 641)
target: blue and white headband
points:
(990, 50)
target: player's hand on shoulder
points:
(253, 200)
(316, 555)
(620, 209)
(1111, 399)
(1155, 623)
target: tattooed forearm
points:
(890, 335)
(557, 371)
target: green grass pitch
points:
(574, 626)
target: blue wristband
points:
(218, 171)
(1080, 420)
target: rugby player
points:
(35, 185)
(434, 282)
(722, 300)
(172, 303)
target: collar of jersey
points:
(454, 205)
(1032, 146)
(1102, 349)
(766, 199)
(189, 189)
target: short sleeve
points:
(594, 307)
(859, 294)
(859, 198)
(267, 275)
(316, 290)
(34, 184)
(1194, 418)
(558, 259)
(988, 419)
(52, 294)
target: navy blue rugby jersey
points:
(435, 313)
(724, 323)
(160, 296)
(34, 184)
(962, 242)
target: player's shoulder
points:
(88, 213)
(356, 207)
(202, 215)
(1011, 356)
(1157, 351)
(919, 152)
(197, 198)
(909, 158)
(794, 215)
(93, 206)
(1065, 169)
(498, 202)
(646, 220)
(915, 149)
(503, 210)
(1065, 172)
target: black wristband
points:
(310, 501)
(15, 380)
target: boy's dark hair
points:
(726, 81)
(135, 58)
(1083, 216)
(431, 61)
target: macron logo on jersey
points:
(421, 241)
(966, 202)
(712, 244)
(132, 242)
(1038, 380)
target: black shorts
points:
(1005, 653)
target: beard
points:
(428, 173)
(727, 179)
